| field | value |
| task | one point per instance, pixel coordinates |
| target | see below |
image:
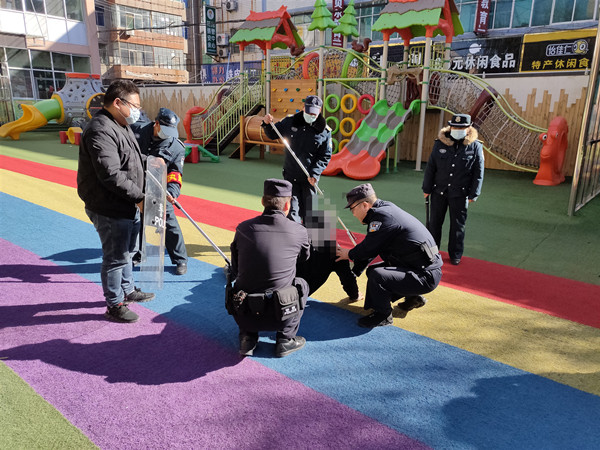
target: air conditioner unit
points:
(223, 39)
(231, 5)
(223, 52)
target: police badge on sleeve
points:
(374, 226)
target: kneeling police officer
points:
(411, 263)
(266, 294)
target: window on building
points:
(103, 50)
(41, 60)
(44, 84)
(16, 5)
(36, 6)
(522, 13)
(20, 81)
(62, 62)
(74, 10)
(17, 58)
(100, 16)
(82, 64)
(55, 8)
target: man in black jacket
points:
(310, 138)
(453, 179)
(110, 181)
(160, 139)
(411, 263)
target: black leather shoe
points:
(247, 345)
(137, 296)
(287, 346)
(375, 319)
(410, 303)
(181, 269)
(455, 261)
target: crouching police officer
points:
(160, 139)
(411, 263)
(266, 294)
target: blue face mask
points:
(308, 118)
(459, 135)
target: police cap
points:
(360, 192)
(277, 188)
(460, 121)
(313, 104)
(168, 121)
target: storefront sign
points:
(482, 17)
(337, 40)
(562, 51)
(486, 56)
(211, 30)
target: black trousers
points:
(457, 206)
(387, 284)
(320, 265)
(302, 193)
(286, 329)
(174, 238)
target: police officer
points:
(310, 139)
(411, 263)
(264, 253)
(160, 138)
(453, 179)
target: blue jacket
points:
(455, 168)
(311, 144)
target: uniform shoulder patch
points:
(374, 226)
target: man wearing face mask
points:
(310, 138)
(453, 179)
(110, 181)
(160, 139)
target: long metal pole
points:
(319, 191)
(176, 203)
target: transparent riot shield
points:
(154, 225)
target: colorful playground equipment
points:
(361, 158)
(367, 103)
(552, 156)
(74, 104)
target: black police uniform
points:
(398, 238)
(453, 176)
(264, 253)
(172, 151)
(312, 145)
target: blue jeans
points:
(119, 239)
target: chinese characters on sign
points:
(544, 52)
(211, 30)
(482, 16)
(337, 40)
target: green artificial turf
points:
(514, 222)
(27, 421)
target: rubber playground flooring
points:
(504, 355)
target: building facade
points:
(40, 42)
(143, 41)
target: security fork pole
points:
(219, 251)
(319, 191)
(176, 203)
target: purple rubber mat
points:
(156, 384)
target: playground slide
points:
(34, 116)
(361, 158)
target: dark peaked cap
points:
(277, 188)
(359, 193)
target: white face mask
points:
(161, 134)
(459, 135)
(308, 118)
(134, 115)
